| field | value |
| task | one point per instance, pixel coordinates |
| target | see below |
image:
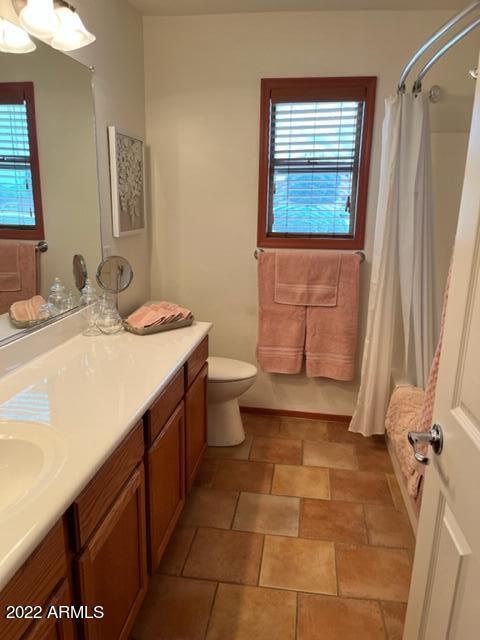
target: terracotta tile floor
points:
(296, 534)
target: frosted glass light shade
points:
(13, 39)
(38, 18)
(71, 33)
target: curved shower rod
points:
(417, 85)
(438, 34)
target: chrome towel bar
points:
(359, 253)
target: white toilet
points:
(227, 380)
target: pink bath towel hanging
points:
(308, 307)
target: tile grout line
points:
(382, 615)
(211, 610)
(261, 560)
(189, 550)
(230, 528)
(296, 614)
(337, 578)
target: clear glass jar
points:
(57, 295)
(108, 319)
(89, 299)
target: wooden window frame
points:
(26, 91)
(299, 89)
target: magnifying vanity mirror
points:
(48, 180)
(114, 274)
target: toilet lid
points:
(228, 370)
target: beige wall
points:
(118, 81)
(202, 102)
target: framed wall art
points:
(127, 179)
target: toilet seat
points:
(228, 370)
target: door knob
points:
(434, 438)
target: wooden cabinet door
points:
(196, 424)
(166, 483)
(52, 627)
(112, 570)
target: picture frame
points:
(127, 182)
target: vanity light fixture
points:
(13, 39)
(38, 18)
(55, 22)
(71, 33)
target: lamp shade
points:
(39, 18)
(13, 39)
(71, 33)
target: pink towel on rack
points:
(331, 340)
(326, 333)
(10, 276)
(18, 273)
(281, 327)
(308, 278)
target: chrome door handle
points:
(434, 438)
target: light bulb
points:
(71, 33)
(13, 39)
(38, 18)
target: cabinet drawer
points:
(164, 406)
(112, 569)
(53, 628)
(92, 504)
(196, 361)
(35, 582)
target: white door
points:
(444, 597)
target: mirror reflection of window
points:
(20, 195)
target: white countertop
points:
(87, 394)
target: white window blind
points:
(16, 191)
(314, 163)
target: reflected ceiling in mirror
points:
(65, 194)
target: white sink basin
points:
(31, 454)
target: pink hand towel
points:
(281, 327)
(307, 277)
(10, 276)
(332, 331)
(28, 270)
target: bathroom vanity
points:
(128, 415)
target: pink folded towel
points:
(10, 277)
(323, 326)
(307, 277)
(26, 310)
(281, 328)
(331, 340)
(157, 313)
(19, 264)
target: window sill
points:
(270, 242)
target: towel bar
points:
(359, 253)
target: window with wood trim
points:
(20, 194)
(315, 141)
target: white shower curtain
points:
(402, 279)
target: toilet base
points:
(225, 427)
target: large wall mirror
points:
(48, 180)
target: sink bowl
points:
(31, 455)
